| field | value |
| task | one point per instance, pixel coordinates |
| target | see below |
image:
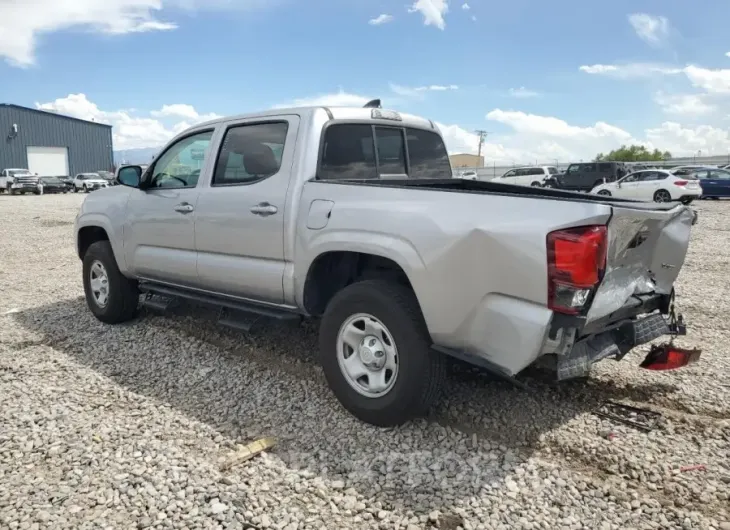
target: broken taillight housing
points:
(669, 357)
(576, 263)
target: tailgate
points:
(646, 250)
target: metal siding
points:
(89, 144)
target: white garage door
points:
(48, 161)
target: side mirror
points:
(130, 176)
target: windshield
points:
(50, 180)
(19, 172)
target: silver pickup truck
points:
(351, 215)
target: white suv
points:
(527, 176)
(88, 182)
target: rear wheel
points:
(376, 353)
(536, 184)
(662, 196)
(605, 193)
(111, 297)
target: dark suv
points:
(588, 175)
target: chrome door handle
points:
(264, 209)
(184, 207)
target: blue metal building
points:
(51, 144)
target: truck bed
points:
(481, 186)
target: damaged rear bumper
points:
(580, 344)
(615, 343)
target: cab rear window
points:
(361, 151)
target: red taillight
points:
(669, 357)
(680, 182)
(576, 263)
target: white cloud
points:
(688, 105)
(531, 137)
(433, 12)
(182, 110)
(523, 93)
(381, 19)
(338, 99)
(465, 7)
(630, 70)
(715, 81)
(23, 21)
(419, 91)
(130, 131)
(651, 29)
(686, 141)
(474, 18)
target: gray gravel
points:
(126, 427)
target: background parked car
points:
(108, 176)
(469, 174)
(715, 183)
(588, 175)
(688, 170)
(68, 182)
(53, 185)
(89, 182)
(527, 176)
(17, 180)
(653, 185)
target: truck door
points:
(241, 215)
(159, 242)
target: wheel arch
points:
(92, 228)
(333, 270)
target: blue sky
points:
(548, 80)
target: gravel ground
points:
(127, 426)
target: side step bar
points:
(238, 314)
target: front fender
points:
(105, 209)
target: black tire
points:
(76, 190)
(123, 294)
(605, 193)
(662, 196)
(86, 190)
(421, 370)
(536, 185)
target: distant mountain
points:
(135, 156)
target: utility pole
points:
(482, 136)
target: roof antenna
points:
(373, 104)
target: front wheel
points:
(111, 297)
(376, 353)
(536, 184)
(662, 196)
(605, 193)
(76, 190)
